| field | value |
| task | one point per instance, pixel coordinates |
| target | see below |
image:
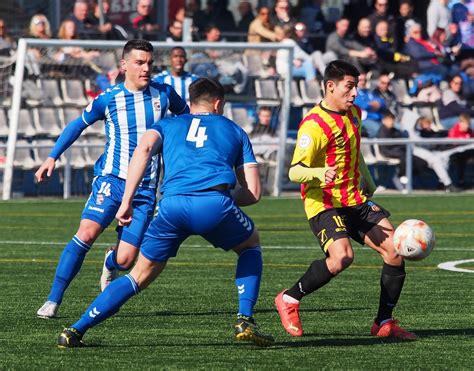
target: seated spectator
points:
(79, 17)
(176, 75)
(425, 129)
(388, 58)
(452, 103)
(337, 43)
(363, 40)
(424, 53)
(144, 23)
(175, 31)
(67, 31)
(7, 44)
(302, 62)
(382, 91)
(281, 15)
(462, 130)
(261, 29)
(448, 52)
(39, 27)
(246, 16)
(107, 30)
(263, 126)
(372, 107)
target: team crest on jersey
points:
(100, 199)
(339, 140)
(157, 105)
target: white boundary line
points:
(451, 266)
(269, 247)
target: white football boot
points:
(48, 310)
(108, 275)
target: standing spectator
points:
(452, 103)
(79, 17)
(424, 53)
(388, 58)
(108, 30)
(175, 31)
(380, 13)
(401, 27)
(144, 22)
(462, 130)
(198, 15)
(246, 16)
(7, 44)
(281, 15)
(438, 16)
(338, 44)
(372, 107)
(39, 27)
(261, 29)
(312, 16)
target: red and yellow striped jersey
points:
(329, 138)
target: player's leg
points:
(377, 232)
(98, 213)
(69, 265)
(228, 227)
(122, 257)
(330, 229)
(111, 299)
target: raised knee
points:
(125, 261)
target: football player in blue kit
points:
(205, 155)
(128, 110)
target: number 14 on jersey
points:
(196, 134)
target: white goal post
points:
(102, 45)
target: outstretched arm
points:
(72, 131)
(300, 173)
(149, 145)
(249, 180)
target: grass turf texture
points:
(184, 320)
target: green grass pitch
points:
(184, 320)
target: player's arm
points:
(368, 187)
(300, 173)
(149, 145)
(70, 134)
(249, 192)
(177, 104)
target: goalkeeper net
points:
(51, 81)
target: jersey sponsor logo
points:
(339, 140)
(305, 141)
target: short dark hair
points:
(177, 48)
(336, 70)
(388, 113)
(204, 90)
(137, 44)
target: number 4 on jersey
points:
(197, 134)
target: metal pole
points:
(409, 167)
(101, 13)
(14, 116)
(284, 122)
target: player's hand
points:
(45, 170)
(124, 214)
(330, 174)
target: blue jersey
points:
(201, 151)
(179, 83)
(127, 115)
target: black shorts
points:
(345, 222)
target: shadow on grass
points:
(444, 332)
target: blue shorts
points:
(104, 202)
(210, 214)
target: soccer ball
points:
(413, 239)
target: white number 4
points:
(197, 134)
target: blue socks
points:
(69, 265)
(107, 303)
(111, 262)
(247, 279)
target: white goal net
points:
(49, 82)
